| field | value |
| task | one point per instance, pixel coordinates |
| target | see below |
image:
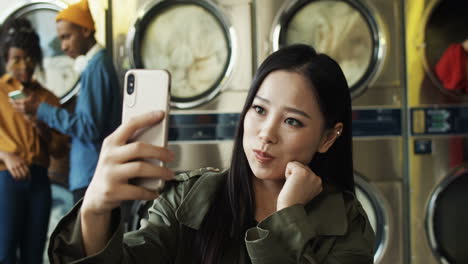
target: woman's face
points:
(20, 65)
(283, 124)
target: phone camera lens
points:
(130, 83)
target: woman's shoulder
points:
(201, 180)
(352, 205)
(335, 211)
(186, 180)
(194, 175)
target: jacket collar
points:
(327, 211)
(7, 78)
(82, 61)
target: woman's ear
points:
(329, 137)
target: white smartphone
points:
(17, 94)
(146, 91)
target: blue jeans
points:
(24, 216)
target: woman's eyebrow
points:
(262, 99)
(287, 108)
(297, 111)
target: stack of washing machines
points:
(438, 101)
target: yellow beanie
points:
(78, 14)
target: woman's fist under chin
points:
(301, 186)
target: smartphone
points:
(146, 91)
(17, 94)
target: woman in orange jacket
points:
(25, 146)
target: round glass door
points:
(373, 204)
(445, 47)
(190, 39)
(447, 215)
(57, 73)
(344, 30)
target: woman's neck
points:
(266, 195)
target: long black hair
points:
(19, 33)
(234, 210)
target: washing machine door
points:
(191, 39)
(447, 218)
(377, 211)
(57, 73)
(345, 30)
(445, 25)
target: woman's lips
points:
(263, 157)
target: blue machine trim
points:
(222, 126)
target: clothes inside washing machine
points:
(340, 30)
(446, 47)
(193, 41)
(447, 218)
(173, 41)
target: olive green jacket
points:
(332, 228)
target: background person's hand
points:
(17, 167)
(27, 106)
(120, 161)
(301, 186)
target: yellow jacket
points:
(19, 136)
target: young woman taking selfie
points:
(288, 196)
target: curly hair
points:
(19, 33)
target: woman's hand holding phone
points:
(301, 186)
(121, 161)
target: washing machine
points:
(438, 131)
(379, 177)
(207, 48)
(366, 39)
